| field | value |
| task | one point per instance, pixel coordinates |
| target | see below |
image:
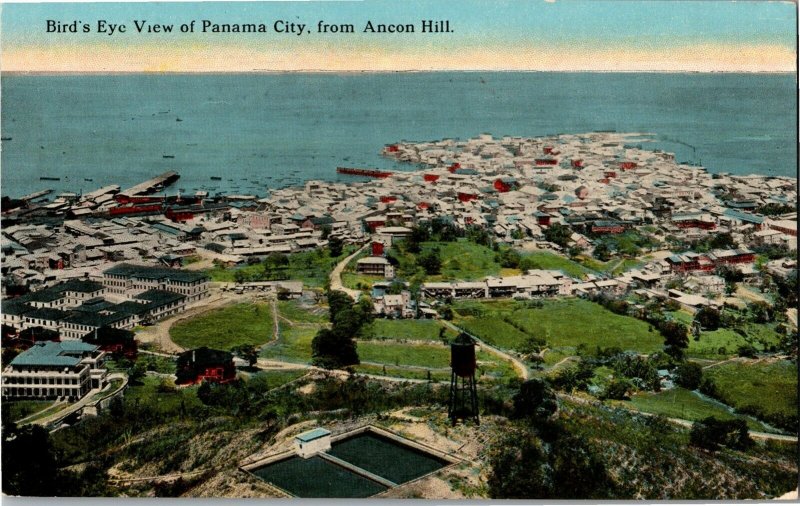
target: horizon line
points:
(398, 71)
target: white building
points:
(312, 442)
(55, 370)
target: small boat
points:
(178, 120)
(216, 178)
(5, 138)
(88, 179)
(49, 178)
(167, 156)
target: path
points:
(518, 364)
(791, 314)
(336, 275)
(86, 400)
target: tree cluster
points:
(335, 347)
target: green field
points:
(562, 323)
(226, 328)
(682, 403)
(312, 267)
(420, 355)
(267, 380)
(766, 390)
(360, 281)
(294, 344)
(462, 260)
(299, 313)
(148, 393)
(402, 372)
(761, 336)
(417, 330)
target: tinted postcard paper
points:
(533, 250)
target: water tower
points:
(463, 392)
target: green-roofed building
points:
(52, 370)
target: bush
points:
(711, 433)
(689, 375)
(618, 389)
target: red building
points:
(689, 262)
(432, 178)
(628, 165)
(576, 163)
(377, 249)
(607, 227)
(610, 173)
(375, 223)
(454, 167)
(544, 162)
(204, 364)
(505, 184)
(542, 219)
(386, 199)
(467, 195)
(118, 342)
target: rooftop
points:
(50, 353)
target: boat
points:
(49, 178)
(88, 179)
(216, 178)
(167, 156)
(5, 138)
(178, 119)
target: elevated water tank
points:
(462, 355)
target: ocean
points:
(263, 131)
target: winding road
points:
(336, 275)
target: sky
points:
(534, 35)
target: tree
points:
(246, 352)
(337, 301)
(558, 234)
(508, 258)
(335, 246)
(332, 349)
(520, 468)
(326, 232)
(535, 400)
(137, 372)
(689, 375)
(708, 318)
(430, 262)
(29, 462)
(618, 389)
(602, 252)
(676, 337)
(711, 433)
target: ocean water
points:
(262, 131)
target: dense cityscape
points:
(574, 316)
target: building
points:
(113, 341)
(312, 442)
(376, 266)
(55, 371)
(125, 278)
(204, 364)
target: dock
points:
(153, 185)
(364, 172)
(36, 195)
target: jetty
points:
(153, 185)
(36, 195)
(364, 172)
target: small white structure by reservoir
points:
(312, 442)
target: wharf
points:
(152, 185)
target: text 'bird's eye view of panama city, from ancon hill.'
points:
(546, 250)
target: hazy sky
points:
(487, 35)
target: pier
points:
(364, 172)
(155, 184)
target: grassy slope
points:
(562, 323)
(682, 403)
(418, 330)
(226, 327)
(768, 388)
